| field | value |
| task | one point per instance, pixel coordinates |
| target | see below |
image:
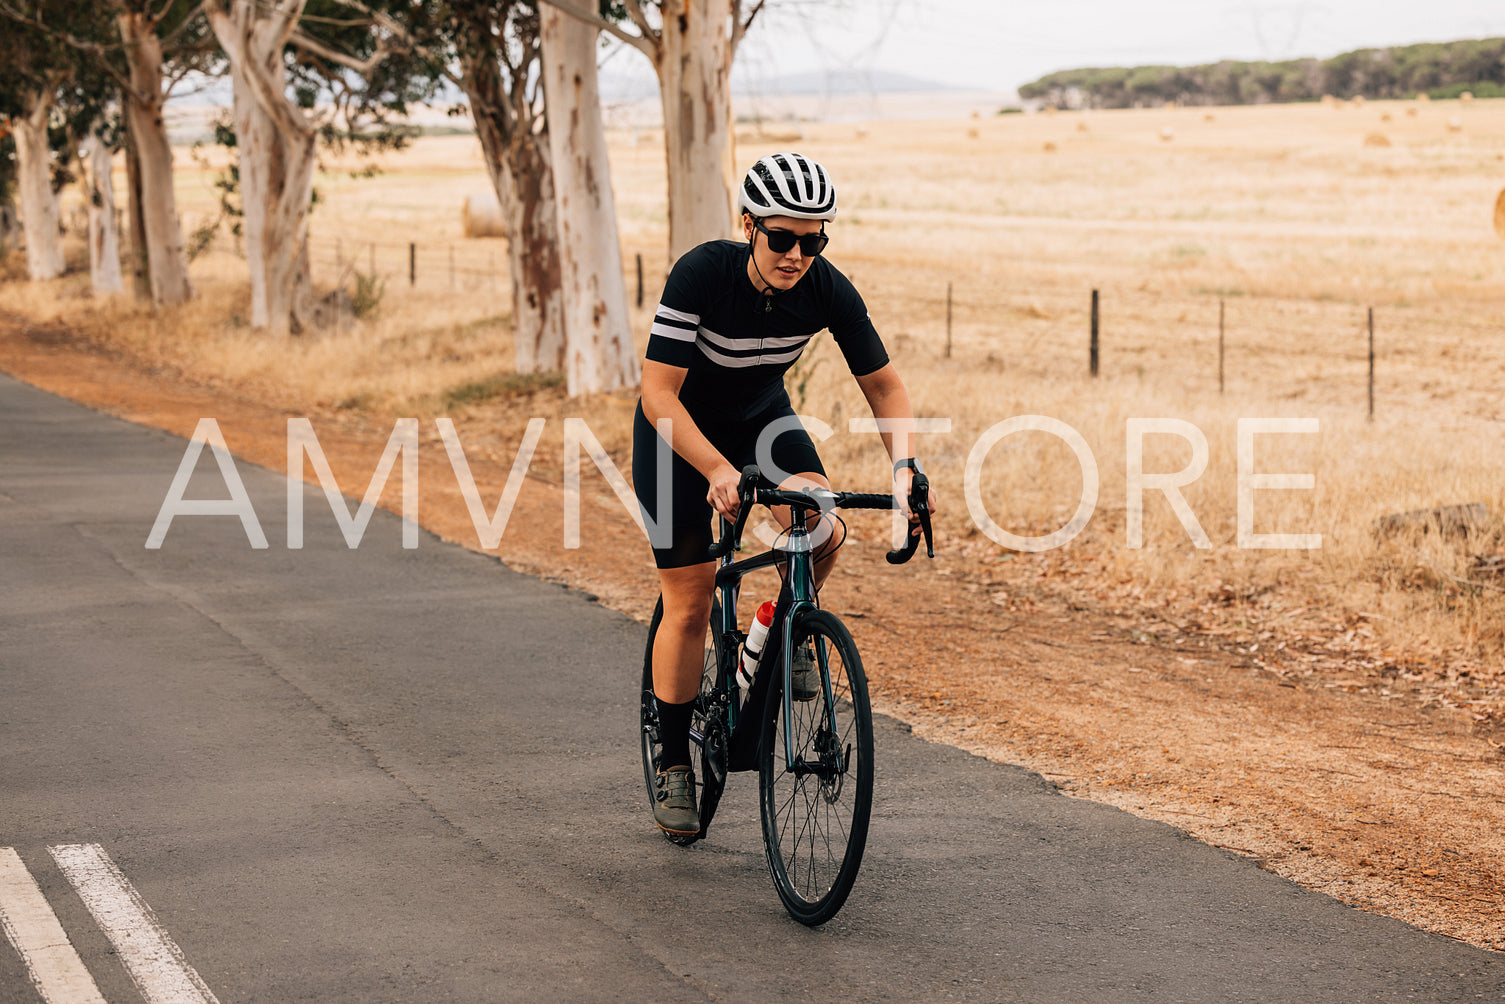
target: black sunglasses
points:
(780, 241)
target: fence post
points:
(1371, 364)
(948, 320)
(412, 264)
(1220, 345)
(1092, 352)
(640, 279)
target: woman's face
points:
(781, 271)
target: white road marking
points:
(155, 963)
(33, 929)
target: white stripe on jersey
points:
(670, 331)
(755, 344)
(676, 315)
(744, 362)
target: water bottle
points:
(757, 634)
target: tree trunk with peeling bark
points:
(693, 60)
(38, 203)
(599, 350)
(104, 234)
(517, 159)
(154, 209)
(277, 147)
(136, 258)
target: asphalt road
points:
(412, 775)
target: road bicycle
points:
(813, 750)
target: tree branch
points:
(643, 43)
(171, 38)
(739, 27)
(94, 49)
(361, 67)
(236, 45)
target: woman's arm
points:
(661, 384)
(889, 399)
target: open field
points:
(1286, 216)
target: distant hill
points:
(1439, 69)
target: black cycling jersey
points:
(737, 341)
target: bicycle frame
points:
(797, 554)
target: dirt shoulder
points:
(1374, 798)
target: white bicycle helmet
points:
(788, 184)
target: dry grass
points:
(1286, 214)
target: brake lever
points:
(919, 504)
(731, 532)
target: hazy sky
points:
(1000, 44)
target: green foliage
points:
(797, 378)
(201, 238)
(502, 384)
(365, 299)
(1439, 69)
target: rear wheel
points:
(815, 813)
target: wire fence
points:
(1210, 339)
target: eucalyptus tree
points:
(529, 78)
(691, 45)
(300, 72)
(600, 354)
(494, 51)
(137, 51)
(33, 67)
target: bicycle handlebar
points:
(749, 494)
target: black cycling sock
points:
(674, 733)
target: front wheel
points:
(815, 811)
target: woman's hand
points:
(903, 478)
(723, 494)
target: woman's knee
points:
(687, 596)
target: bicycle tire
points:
(815, 823)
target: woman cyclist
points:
(733, 318)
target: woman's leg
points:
(679, 646)
(679, 655)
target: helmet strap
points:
(768, 291)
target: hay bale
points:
(1081, 126)
(1423, 96)
(1455, 124)
(480, 216)
(1411, 112)
(1467, 97)
(1209, 117)
(1385, 117)
(1358, 101)
(972, 134)
(1167, 134)
(1050, 147)
(1376, 139)
(1500, 213)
